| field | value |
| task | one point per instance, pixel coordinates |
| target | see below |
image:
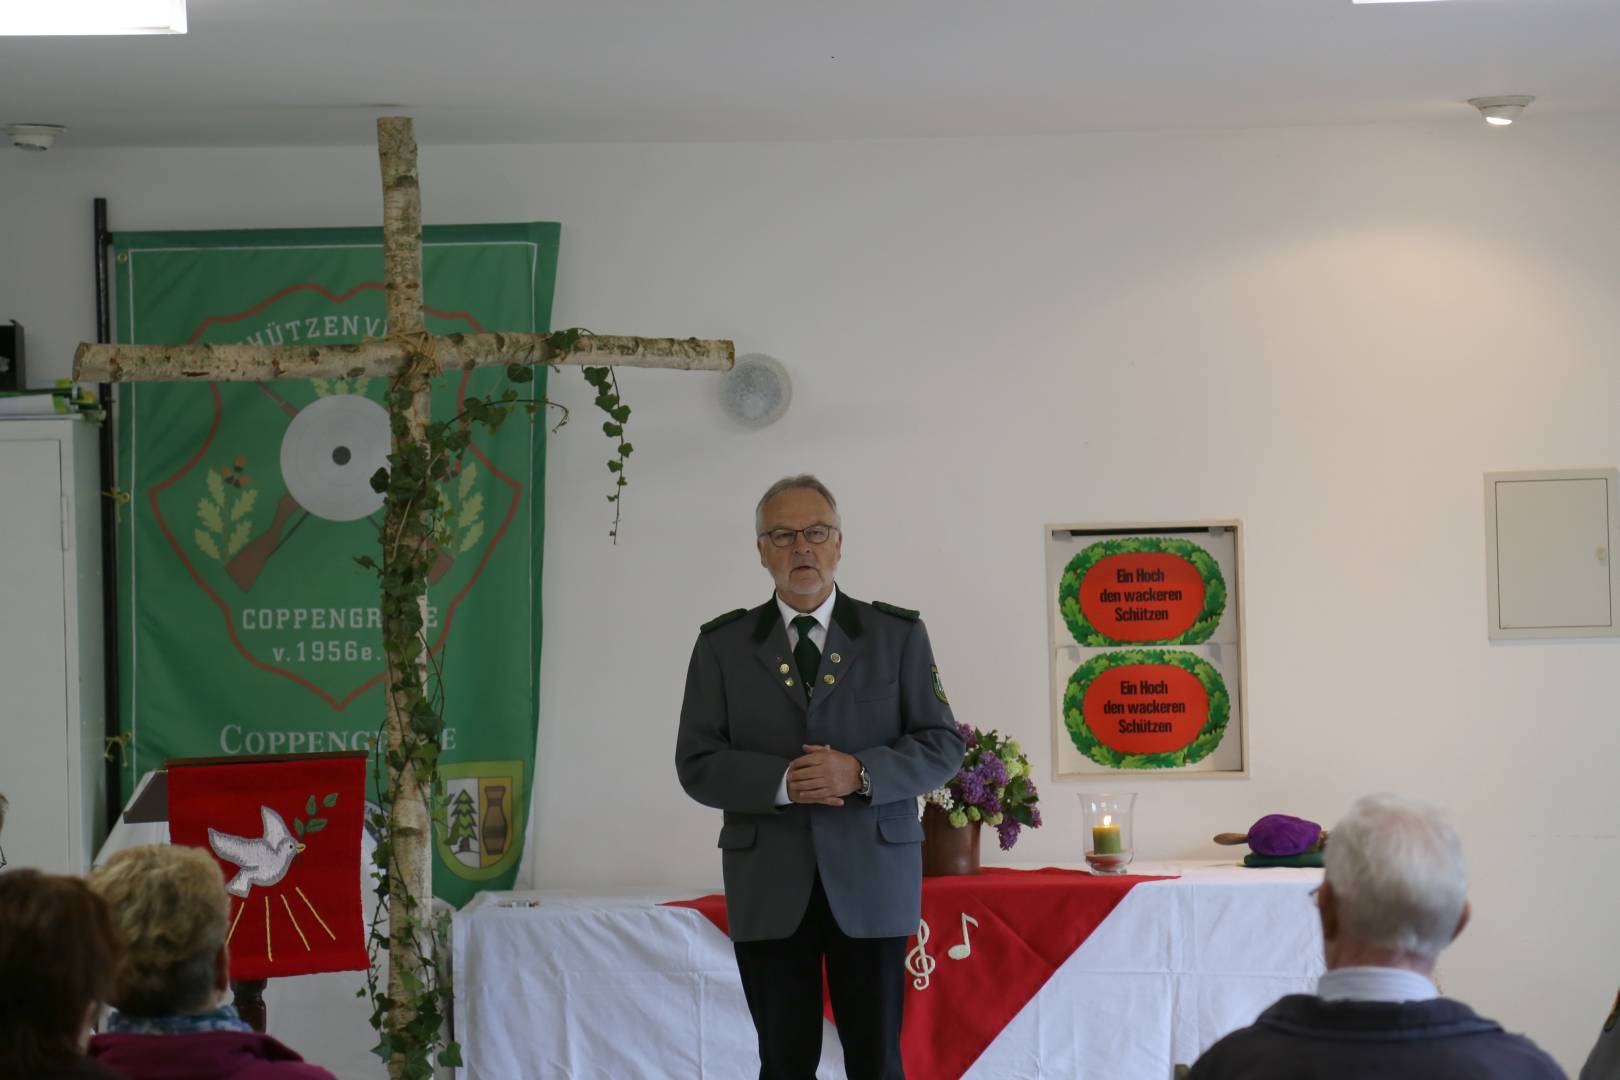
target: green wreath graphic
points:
(1201, 629)
(1208, 738)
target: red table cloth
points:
(987, 944)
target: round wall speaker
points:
(756, 391)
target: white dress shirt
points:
(818, 634)
(1374, 984)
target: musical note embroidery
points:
(918, 962)
(964, 950)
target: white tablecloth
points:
(616, 987)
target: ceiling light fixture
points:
(1501, 111)
(34, 136)
(74, 18)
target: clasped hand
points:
(823, 775)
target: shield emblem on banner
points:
(266, 509)
(483, 808)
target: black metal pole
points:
(109, 524)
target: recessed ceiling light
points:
(34, 136)
(1501, 111)
(71, 18)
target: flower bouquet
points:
(993, 786)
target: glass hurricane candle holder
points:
(1109, 844)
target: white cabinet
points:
(51, 680)
(1548, 539)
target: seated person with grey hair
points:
(170, 1020)
(1394, 896)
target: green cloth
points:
(1309, 858)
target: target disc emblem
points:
(331, 450)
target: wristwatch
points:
(865, 790)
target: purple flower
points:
(994, 770)
(969, 736)
(972, 785)
(1008, 833)
(1034, 817)
(976, 789)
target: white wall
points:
(1328, 333)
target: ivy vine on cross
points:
(409, 1013)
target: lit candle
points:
(1105, 837)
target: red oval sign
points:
(1145, 708)
(1142, 596)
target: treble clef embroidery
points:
(918, 962)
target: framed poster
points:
(1145, 624)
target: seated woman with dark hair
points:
(58, 951)
(170, 1022)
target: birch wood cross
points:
(410, 358)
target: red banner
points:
(987, 944)
(287, 836)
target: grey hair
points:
(1396, 867)
(802, 482)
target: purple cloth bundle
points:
(1279, 834)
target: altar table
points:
(621, 986)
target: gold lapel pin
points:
(783, 669)
(828, 679)
(835, 658)
(788, 683)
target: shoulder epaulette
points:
(898, 612)
(721, 620)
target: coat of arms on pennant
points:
(286, 835)
(483, 831)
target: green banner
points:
(246, 625)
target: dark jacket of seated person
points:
(1394, 894)
(1302, 1036)
(169, 1022)
(216, 1045)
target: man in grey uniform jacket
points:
(814, 721)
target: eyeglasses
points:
(815, 534)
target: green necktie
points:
(805, 653)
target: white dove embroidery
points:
(264, 861)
